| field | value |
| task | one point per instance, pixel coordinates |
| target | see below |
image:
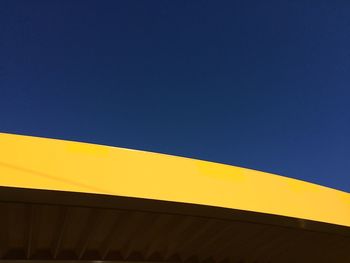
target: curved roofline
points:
(177, 156)
(52, 164)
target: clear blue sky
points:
(258, 84)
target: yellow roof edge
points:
(84, 167)
(176, 156)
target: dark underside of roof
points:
(47, 225)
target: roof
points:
(69, 200)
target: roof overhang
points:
(64, 200)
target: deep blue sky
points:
(258, 84)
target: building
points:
(63, 200)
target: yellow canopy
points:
(50, 164)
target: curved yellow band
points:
(40, 163)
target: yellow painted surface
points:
(41, 163)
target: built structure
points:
(71, 201)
